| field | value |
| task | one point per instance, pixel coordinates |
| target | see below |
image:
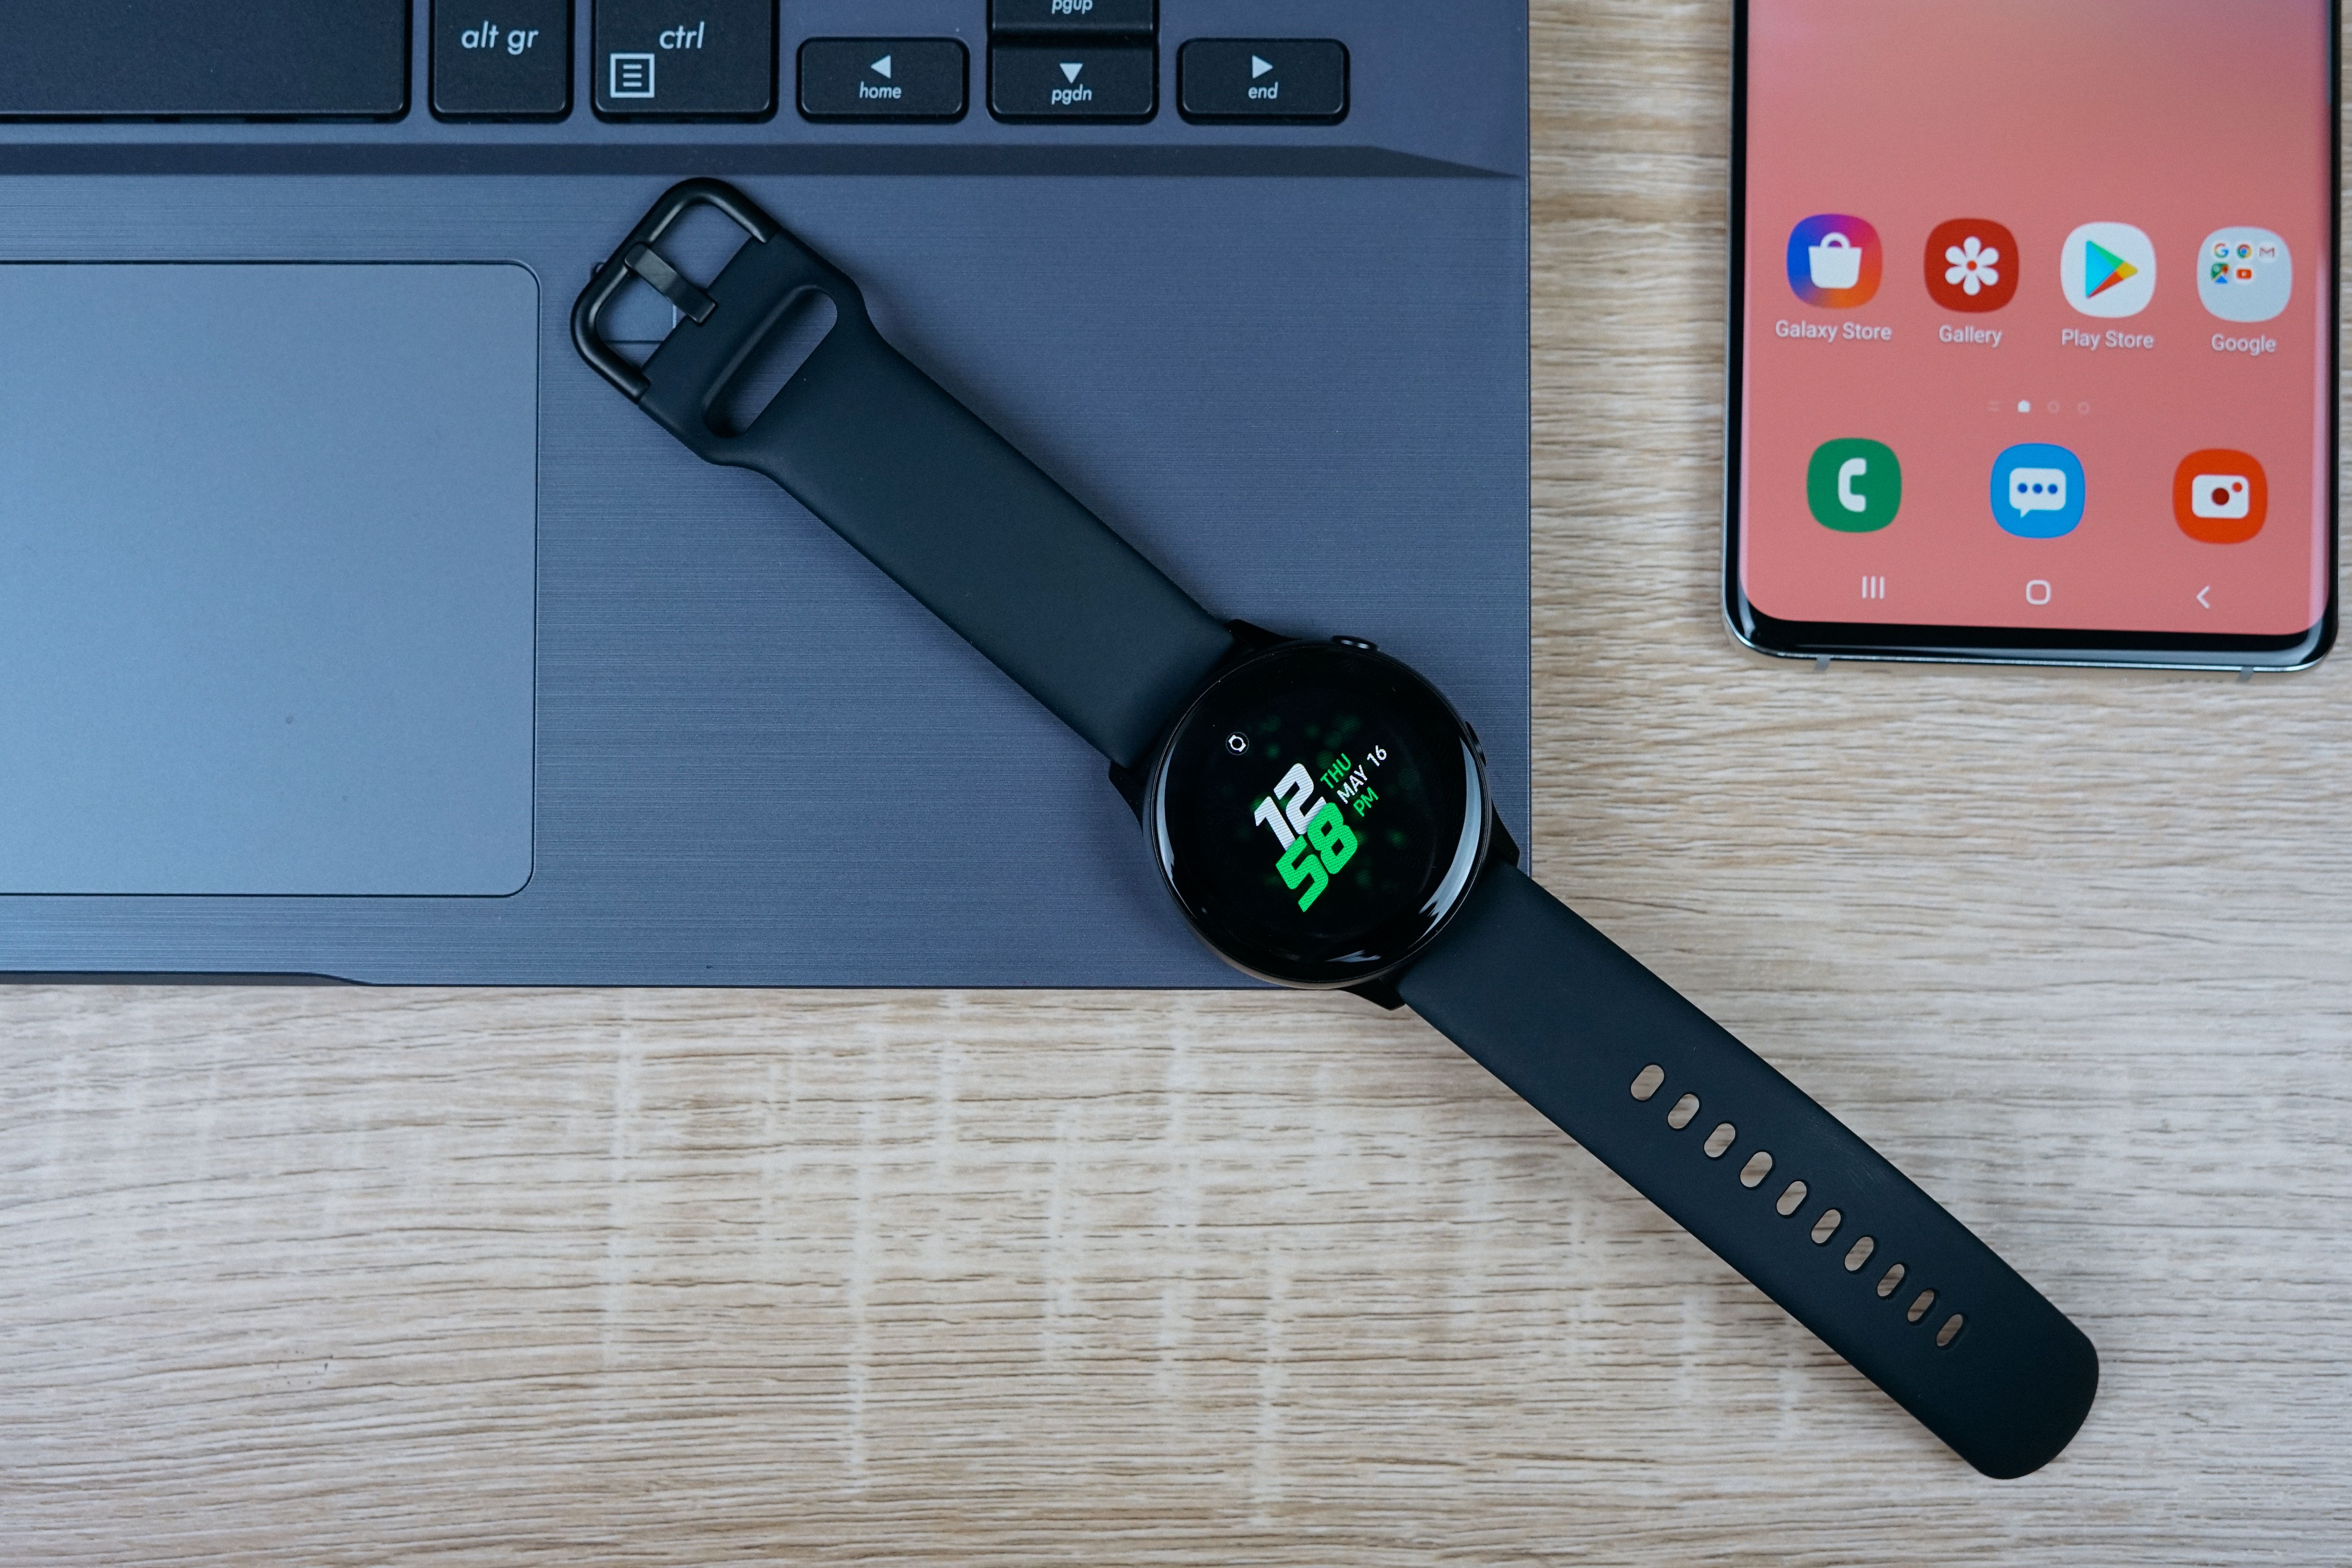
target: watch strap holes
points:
(1826, 1226)
(1893, 1277)
(1758, 1166)
(1920, 1305)
(1950, 1331)
(1859, 1254)
(1685, 1109)
(1646, 1081)
(1721, 1139)
(1792, 1198)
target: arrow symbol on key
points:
(2202, 599)
(1258, 67)
(881, 67)
(1070, 71)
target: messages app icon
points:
(2107, 269)
(2037, 490)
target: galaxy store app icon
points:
(2107, 269)
(1835, 262)
(2244, 274)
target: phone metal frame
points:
(1820, 641)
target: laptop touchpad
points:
(265, 578)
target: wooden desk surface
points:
(314, 1276)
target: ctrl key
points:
(883, 79)
(1298, 79)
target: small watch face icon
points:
(1853, 486)
(1971, 265)
(2221, 497)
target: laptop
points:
(356, 630)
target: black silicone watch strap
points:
(1578, 1028)
(903, 472)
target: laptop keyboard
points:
(647, 61)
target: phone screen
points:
(2035, 328)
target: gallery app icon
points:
(2221, 497)
(2107, 269)
(1971, 265)
(1835, 262)
(1853, 486)
(2037, 490)
(2244, 274)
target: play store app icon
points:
(2108, 269)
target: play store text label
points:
(2075, 338)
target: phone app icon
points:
(2107, 269)
(2037, 490)
(1853, 486)
(1835, 262)
(2244, 274)
(2221, 497)
(1971, 265)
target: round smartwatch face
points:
(1319, 813)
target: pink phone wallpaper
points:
(2036, 303)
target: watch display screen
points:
(1319, 814)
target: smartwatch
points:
(1320, 814)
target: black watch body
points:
(1319, 812)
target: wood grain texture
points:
(323, 1276)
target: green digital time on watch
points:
(1320, 814)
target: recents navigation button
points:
(1090, 17)
(882, 79)
(685, 59)
(1073, 81)
(1303, 79)
(501, 59)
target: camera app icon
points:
(2221, 497)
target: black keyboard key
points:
(501, 59)
(685, 59)
(883, 79)
(1073, 81)
(142, 60)
(1263, 79)
(1073, 15)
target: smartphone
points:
(2033, 319)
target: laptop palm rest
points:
(267, 578)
